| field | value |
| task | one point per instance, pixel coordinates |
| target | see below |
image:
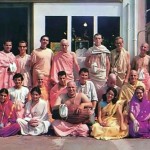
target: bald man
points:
(128, 89)
(111, 82)
(64, 60)
(63, 128)
(141, 63)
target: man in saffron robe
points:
(128, 89)
(63, 128)
(8, 124)
(7, 65)
(23, 62)
(58, 88)
(41, 60)
(97, 61)
(120, 62)
(64, 61)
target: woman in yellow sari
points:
(110, 123)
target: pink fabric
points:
(63, 128)
(62, 62)
(24, 67)
(55, 92)
(20, 111)
(6, 77)
(41, 60)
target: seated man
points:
(87, 87)
(19, 94)
(63, 128)
(128, 90)
(111, 82)
(58, 88)
(44, 93)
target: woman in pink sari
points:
(8, 125)
(139, 123)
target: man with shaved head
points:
(128, 89)
(64, 128)
(141, 63)
(111, 82)
(64, 60)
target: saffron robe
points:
(55, 92)
(63, 62)
(119, 65)
(24, 67)
(6, 77)
(41, 61)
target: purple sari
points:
(141, 112)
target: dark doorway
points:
(14, 24)
(109, 27)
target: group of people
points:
(108, 100)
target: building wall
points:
(70, 9)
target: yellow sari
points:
(112, 129)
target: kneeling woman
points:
(8, 124)
(139, 123)
(36, 115)
(110, 119)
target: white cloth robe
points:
(39, 112)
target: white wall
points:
(72, 9)
(130, 12)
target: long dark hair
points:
(114, 100)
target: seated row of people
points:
(110, 123)
(20, 95)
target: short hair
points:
(18, 75)
(8, 40)
(118, 37)
(36, 89)
(140, 88)
(97, 34)
(114, 100)
(83, 70)
(43, 37)
(61, 73)
(3, 90)
(23, 42)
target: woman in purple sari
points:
(8, 125)
(139, 124)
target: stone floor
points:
(70, 143)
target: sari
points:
(141, 112)
(8, 124)
(112, 129)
